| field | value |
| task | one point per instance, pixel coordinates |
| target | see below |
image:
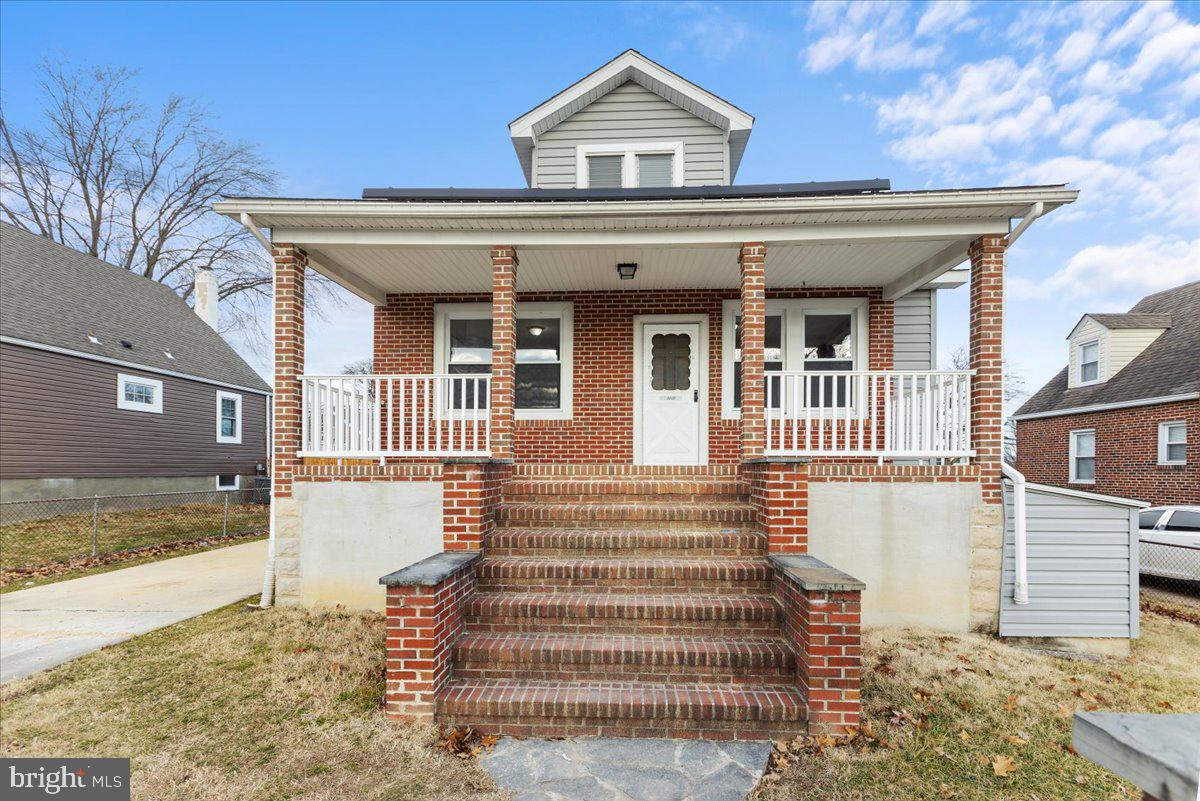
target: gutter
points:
(1021, 582)
(268, 583)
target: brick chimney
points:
(206, 298)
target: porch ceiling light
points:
(536, 330)
(626, 271)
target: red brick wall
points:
(290, 265)
(423, 623)
(986, 353)
(779, 493)
(1126, 452)
(602, 427)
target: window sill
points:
(229, 440)
(543, 416)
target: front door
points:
(672, 388)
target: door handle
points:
(695, 396)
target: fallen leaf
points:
(1165, 705)
(1015, 740)
(964, 735)
(982, 759)
(1003, 765)
(1080, 779)
(1011, 704)
(945, 792)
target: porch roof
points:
(898, 240)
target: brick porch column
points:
(986, 359)
(752, 260)
(504, 349)
(288, 337)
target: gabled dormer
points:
(1102, 344)
(631, 123)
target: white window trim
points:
(236, 439)
(564, 310)
(792, 311)
(237, 483)
(131, 406)
(1079, 382)
(1163, 429)
(629, 176)
(1074, 435)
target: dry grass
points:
(1008, 702)
(237, 704)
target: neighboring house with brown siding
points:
(1123, 416)
(111, 384)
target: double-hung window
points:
(542, 386)
(1088, 356)
(1083, 456)
(1172, 443)
(138, 394)
(629, 166)
(814, 336)
(229, 418)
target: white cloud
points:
(871, 36)
(1076, 121)
(1076, 50)
(711, 29)
(1129, 138)
(1152, 263)
(942, 17)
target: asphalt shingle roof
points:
(1168, 366)
(56, 296)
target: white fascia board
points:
(630, 59)
(893, 201)
(1104, 407)
(951, 279)
(955, 231)
(1091, 496)
(129, 365)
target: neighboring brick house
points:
(624, 420)
(110, 384)
(1122, 418)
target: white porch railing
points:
(372, 416)
(876, 413)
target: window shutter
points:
(654, 169)
(604, 172)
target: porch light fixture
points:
(627, 271)
(536, 330)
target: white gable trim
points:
(1104, 407)
(632, 65)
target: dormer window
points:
(1089, 362)
(629, 166)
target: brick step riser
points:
(650, 543)
(625, 497)
(633, 486)
(620, 586)
(738, 675)
(525, 726)
(624, 472)
(524, 624)
(621, 525)
(617, 551)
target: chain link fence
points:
(1169, 556)
(43, 532)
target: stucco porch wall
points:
(601, 427)
(928, 549)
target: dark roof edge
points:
(816, 188)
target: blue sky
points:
(1105, 96)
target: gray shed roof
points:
(55, 296)
(1168, 366)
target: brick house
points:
(647, 445)
(1122, 417)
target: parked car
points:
(1170, 542)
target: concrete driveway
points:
(46, 626)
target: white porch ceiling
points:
(398, 269)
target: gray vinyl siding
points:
(59, 419)
(1082, 567)
(630, 113)
(915, 332)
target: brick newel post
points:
(504, 349)
(986, 359)
(752, 260)
(290, 264)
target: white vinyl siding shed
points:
(630, 113)
(1082, 563)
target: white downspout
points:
(1021, 583)
(1034, 212)
(268, 584)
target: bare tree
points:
(133, 186)
(360, 367)
(1014, 390)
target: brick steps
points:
(624, 575)
(581, 471)
(605, 657)
(609, 613)
(623, 514)
(674, 541)
(556, 709)
(690, 488)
